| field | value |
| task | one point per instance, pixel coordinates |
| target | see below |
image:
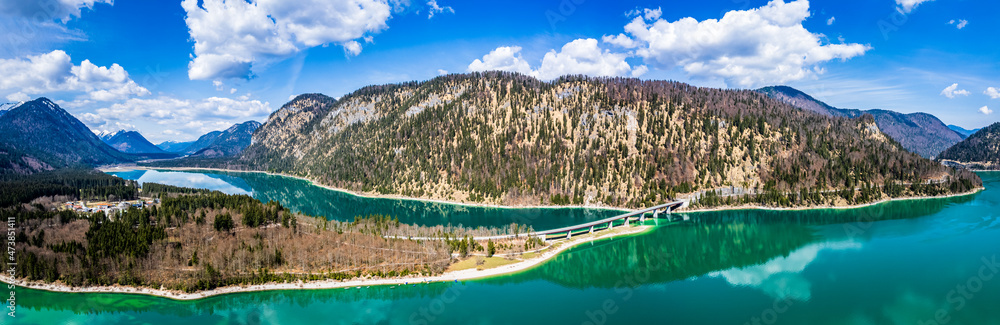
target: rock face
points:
(511, 139)
(39, 135)
(981, 150)
(131, 142)
(921, 133)
(229, 142)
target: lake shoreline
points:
(483, 205)
(459, 275)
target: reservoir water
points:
(906, 262)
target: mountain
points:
(921, 133)
(39, 135)
(173, 146)
(962, 131)
(506, 138)
(981, 150)
(6, 107)
(131, 142)
(203, 141)
(229, 142)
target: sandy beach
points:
(467, 274)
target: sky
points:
(176, 69)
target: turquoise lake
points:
(922, 262)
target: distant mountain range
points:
(920, 133)
(981, 150)
(229, 142)
(39, 135)
(962, 131)
(173, 146)
(130, 142)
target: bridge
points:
(589, 227)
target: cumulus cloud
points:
(985, 110)
(994, 93)
(55, 72)
(906, 6)
(504, 58)
(581, 56)
(181, 116)
(831, 21)
(232, 35)
(745, 48)
(62, 10)
(952, 91)
(442, 72)
(435, 8)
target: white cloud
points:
(232, 90)
(442, 72)
(952, 91)
(581, 56)
(994, 93)
(830, 21)
(232, 35)
(435, 8)
(504, 58)
(985, 110)
(62, 10)
(18, 97)
(745, 48)
(906, 6)
(218, 85)
(960, 24)
(189, 117)
(55, 72)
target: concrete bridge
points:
(589, 227)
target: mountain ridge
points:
(921, 133)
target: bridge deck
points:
(670, 205)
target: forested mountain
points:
(965, 133)
(229, 142)
(202, 142)
(173, 146)
(39, 135)
(130, 142)
(921, 133)
(511, 139)
(981, 150)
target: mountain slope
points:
(203, 141)
(510, 139)
(173, 146)
(981, 150)
(39, 135)
(962, 131)
(230, 142)
(131, 142)
(921, 133)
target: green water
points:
(734, 267)
(301, 196)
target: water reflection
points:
(301, 196)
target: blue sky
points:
(176, 69)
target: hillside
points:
(131, 142)
(981, 150)
(510, 139)
(921, 133)
(203, 141)
(39, 135)
(230, 141)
